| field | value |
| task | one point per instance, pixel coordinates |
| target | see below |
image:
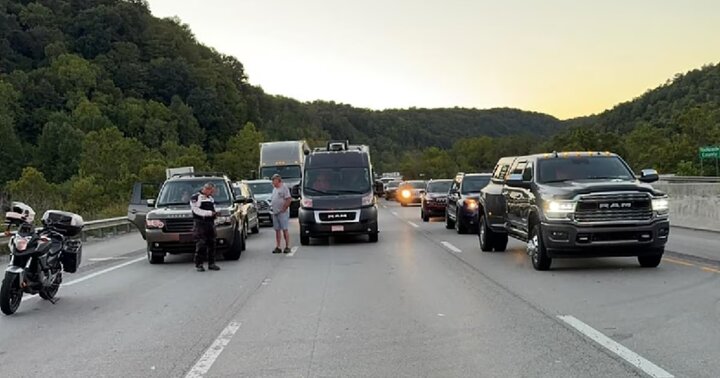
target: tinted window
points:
(473, 184)
(439, 187)
(288, 171)
(582, 168)
(333, 181)
(179, 192)
(261, 187)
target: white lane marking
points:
(413, 224)
(107, 258)
(624, 353)
(108, 270)
(211, 354)
(89, 276)
(394, 213)
(451, 247)
(292, 251)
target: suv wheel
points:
(449, 224)
(424, 216)
(459, 224)
(536, 250)
(652, 260)
(256, 228)
(238, 245)
(373, 237)
(485, 234)
(154, 257)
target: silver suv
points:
(166, 222)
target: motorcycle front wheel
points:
(10, 294)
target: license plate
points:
(337, 228)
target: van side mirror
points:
(649, 175)
(379, 188)
(516, 180)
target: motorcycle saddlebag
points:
(71, 256)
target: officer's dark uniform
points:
(203, 208)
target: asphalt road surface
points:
(422, 302)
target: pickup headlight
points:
(559, 209)
(405, 193)
(223, 220)
(368, 200)
(661, 205)
(154, 224)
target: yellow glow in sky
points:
(567, 58)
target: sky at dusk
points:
(561, 57)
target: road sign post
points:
(709, 153)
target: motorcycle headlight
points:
(20, 243)
(154, 224)
(661, 205)
(223, 220)
(559, 209)
(368, 200)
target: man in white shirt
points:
(280, 205)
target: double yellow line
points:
(687, 263)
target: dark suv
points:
(166, 221)
(434, 200)
(582, 204)
(462, 202)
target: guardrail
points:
(98, 228)
(689, 179)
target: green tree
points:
(242, 153)
(33, 189)
(58, 152)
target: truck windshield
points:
(474, 184)
(335, 181)
(261, 187)
(285, 171)
(178, 193)
(439, 187)
(582, 168)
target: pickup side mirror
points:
(151, 202)
(516, 180)
(649, 175)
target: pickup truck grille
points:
(614, 207)
(179, 225)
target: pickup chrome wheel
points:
(537, 251)
(485, 235)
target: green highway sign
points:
(709, 152)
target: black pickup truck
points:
(574, 204)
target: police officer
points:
(203, 210)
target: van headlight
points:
(661, 206)
(559, 209)
(368, 200)
(219, 221)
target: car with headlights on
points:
(434, 200)
(411, 192)
(462, 201)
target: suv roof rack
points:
(199, 174)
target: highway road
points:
(422, 302)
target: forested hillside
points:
(95, 94)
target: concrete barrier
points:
(693, 205)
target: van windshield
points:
(285, 171)
(335, 181)
(176, 193)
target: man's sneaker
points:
(213, 267)
(276, 250)
(287, 250)
(199, 268)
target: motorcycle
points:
(39, 257)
